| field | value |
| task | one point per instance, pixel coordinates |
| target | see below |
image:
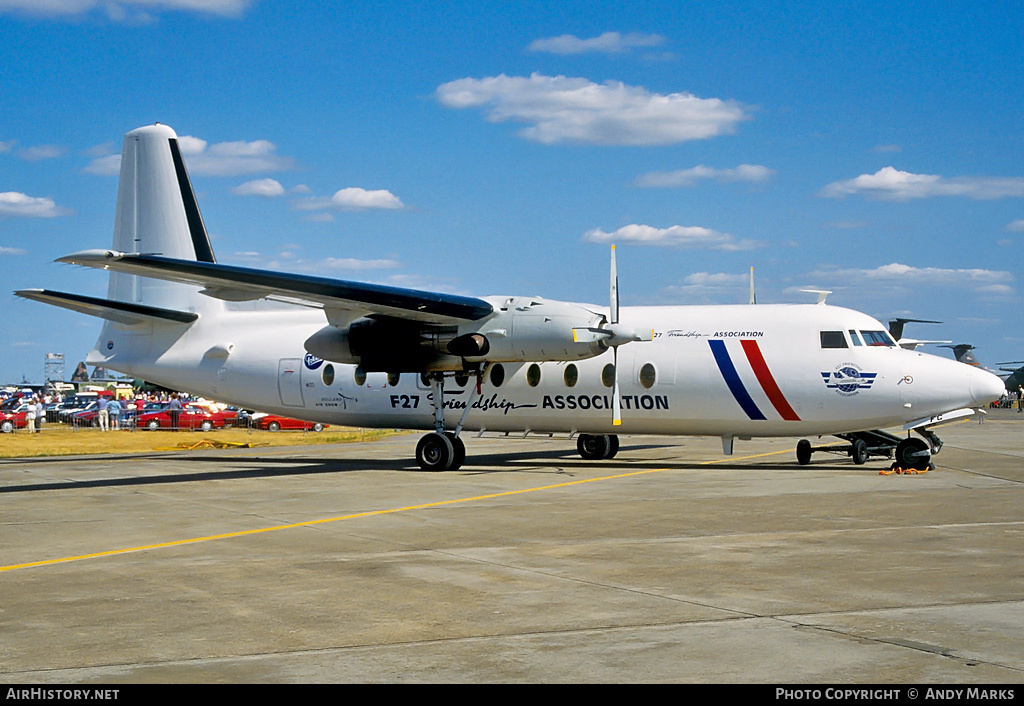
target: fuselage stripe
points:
(732, 379)
(768, 384)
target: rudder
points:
(157, 213)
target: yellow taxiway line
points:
(371, 513)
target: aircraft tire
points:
(906, 454)
(803, 452)
(613, 446)
(859, 451)
(435, 452)
(593, 447)
(459, 450)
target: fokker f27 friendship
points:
(367, 355)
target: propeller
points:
(618, 334)
(613, 334)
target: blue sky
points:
(869, 148)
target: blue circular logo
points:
(312, 362)
(851, 374)
(110, 345)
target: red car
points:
(192, 417)
(13, 419)
(272, 422)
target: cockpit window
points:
(877, 338)
(833, 339)
(855, 337)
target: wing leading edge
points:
(233, 283)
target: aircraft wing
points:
(232, 283)
(118, 312)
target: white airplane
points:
(355, 354)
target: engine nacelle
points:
(524, 329)
(520, 330)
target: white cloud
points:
(562, 109)
(231, 158)
(987, 281)
(219, 159)
(893, 185)
(259, 187)
(34, 154)
(5, 147)
(110, 165)
(13, 203)
(674, 236)
(122, 9)
(11, 251)
(608, 43)
(751, 173)
(353, 199)
(1016, 226)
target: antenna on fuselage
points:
(753, 297)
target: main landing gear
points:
(443, 450)
(908, 453)
(594, 447)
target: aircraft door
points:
(289, 383)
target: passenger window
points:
(855, 337)
(648, 375)
(608, 375)
(571, 375)
(394, 378)
(833, 339)
(497, 374)
(533, 375)
(359, 376)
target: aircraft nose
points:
(985, 387)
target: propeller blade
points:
(616, 402)
(613, 303)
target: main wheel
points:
(435, 452)
(613, 447)
(909, 454)
(859, 451)
(803, 452)
(459, 451)
(592, 447)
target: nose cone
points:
(985, 387)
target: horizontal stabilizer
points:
(233, 283)
(118, 312)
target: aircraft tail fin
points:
(157, 213)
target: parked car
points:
(273, 422)
(192, 417)
(13, 418)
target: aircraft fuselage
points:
(717, 370)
